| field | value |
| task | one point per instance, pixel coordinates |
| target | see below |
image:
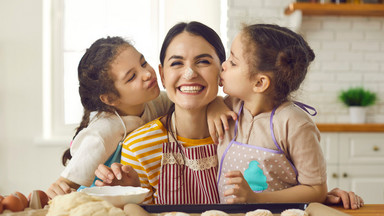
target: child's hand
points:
(117, 174)
(218, 114)
(348, 199)
(241, 191)
(60, 187)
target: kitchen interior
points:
(346, 36)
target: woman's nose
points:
(189, 74)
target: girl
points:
(174, 156)
(120, 87)
(273, 146)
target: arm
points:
(244, 194)
(348, 199)
(218, 114)
(61, 186)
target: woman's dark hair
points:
(276, 49)
(95, 79)
(198, 29)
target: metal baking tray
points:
(228, 208)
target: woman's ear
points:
(161, 71)
(261, 83)
(109, 99)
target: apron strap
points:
(305, 107)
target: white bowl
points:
(118, 195)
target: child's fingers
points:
(65, 187)
(224, 121)
(100, 183)
(233, 173)
(103, 172)
(331, 199)
(233, 115)
(219, 129)
(212, 131)
(116, 169)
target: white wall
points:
(26, 163)
(349, 51)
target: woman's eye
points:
(203, 62)
(144, 64)
(132, 77)
(232, 63)
(176, 63)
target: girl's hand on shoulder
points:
(218, 114)
(348, 199)
(117, 174)
(241, 191)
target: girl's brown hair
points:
(276, 49)
(95, 80)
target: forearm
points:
(299, 193)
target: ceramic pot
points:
(357, 114)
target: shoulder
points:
(233, 103)
(149, 132)
(291, 114)
(161, 99)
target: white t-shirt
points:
(96, 143)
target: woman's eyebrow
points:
(203, 56)
(175, 57)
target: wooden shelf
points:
(330, 9)
(369, 127)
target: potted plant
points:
(357, 99)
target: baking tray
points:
(228, 208)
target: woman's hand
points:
(241, 191)
(60, 187)
(218, 114)
(348, 199)
(117, 174)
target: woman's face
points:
(190, 71)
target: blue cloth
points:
(114, 158)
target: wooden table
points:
(366, 210)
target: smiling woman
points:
(174, 156)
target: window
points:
(77, 24)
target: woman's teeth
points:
(190, 89)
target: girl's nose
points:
(223, 66)
(147, 75)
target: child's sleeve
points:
(306, 154)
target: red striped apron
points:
(188, 175)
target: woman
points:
(177, 159)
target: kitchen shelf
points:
(329, 9)
(368, 127)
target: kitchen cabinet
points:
(331, 9)
(355, 162)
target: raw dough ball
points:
(214, 213)
(294, 212)
(259, 212)
(81, 204)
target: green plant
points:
(357, 96)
